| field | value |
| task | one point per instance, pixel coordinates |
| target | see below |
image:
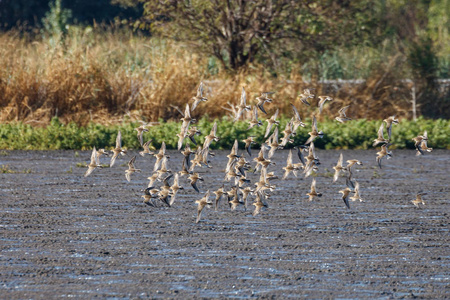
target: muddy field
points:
(64, 235)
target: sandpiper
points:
(198, 97)
(94, 164)
(306, 95)
(118, 150)
(380, 139)
(419, 199)
(389, 121)
(322, 100)
(201, 204)
(314, 132)
(338, 168)
(289, 167)
(342, 116)
(345, 192)
(193, 178)
(382, 153)
(263, 99)
(146, 147)
(242, 105)
(313, 193)
(356, 196)
(297, 120)
(131, 169)
(140, 132)
(271, 122)
(254, 121)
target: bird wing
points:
(243, 98)
(313, 186)
(200, 90)
(380, 131)
(94, 157)
(343, 110)
(119, 140)
(296, 114)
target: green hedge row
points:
(357, 134)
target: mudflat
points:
(65, 235)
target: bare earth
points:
(64, 235)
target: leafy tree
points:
(237, 32)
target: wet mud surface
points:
(64, 235)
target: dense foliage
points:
(357, 134)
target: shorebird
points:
(232, 156)
(263, 99)
(242, 105)
(356, 196)
(297, 120)
(201, 204)
(418, 142)
(287, 133)
(101, 152)
(199, 97)
(233, 198)
(162, 171)
(150, 193)
(131, 169)
(192, 132)
(146, 147)
(350, 164)
(300, 155)
(419, 199)
(306, 95)
(345, 192)
(423, 147)
(342, 116)
(389, 121)
(193, 178)
(186, 121)
(254, 121)
(118, 150)
(322, 100)
(159, 156)
(248, 144)
(94, 164)
(313, 193)
(152, 179)
(140, 132)
(245, 193)
(174, 188)
(338, 168)
(380, 139)
(219, 193)
(187, 156)
(271, 122)
(289, 167)
(382, 153)
(212, 136)
(272, 142)
(259, 203)
(314, 132)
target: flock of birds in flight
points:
(238, 167)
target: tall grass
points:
(104, 75)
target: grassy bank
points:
(357, 134)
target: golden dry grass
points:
(101, 75)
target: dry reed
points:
(101, 75)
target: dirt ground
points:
(63, 235)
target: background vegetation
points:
(358, 134)
(106, 62)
